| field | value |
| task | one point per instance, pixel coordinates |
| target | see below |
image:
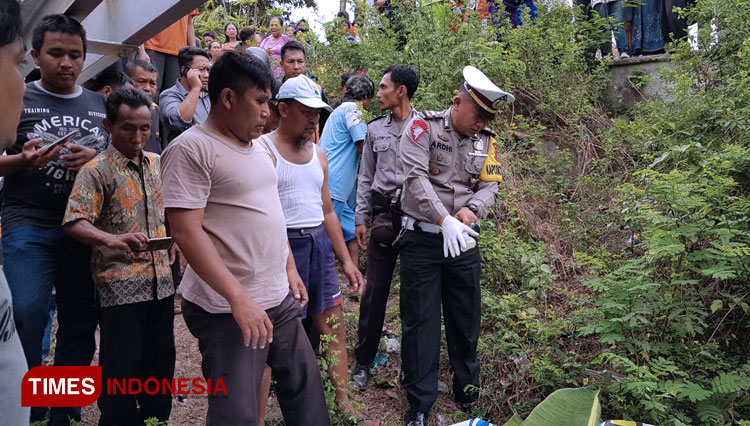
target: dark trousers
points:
(428, 280)
(36, 259)
(381, 261)
(670, 22)
(610, 10)
(137, 341)
(299, 387)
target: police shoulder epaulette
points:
(430, 115)
(377, 118)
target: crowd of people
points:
(641, 27)
(234, 153)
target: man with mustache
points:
(312, 226)
(116, 207)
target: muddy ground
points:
(383, 400)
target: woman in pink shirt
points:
(273, 44)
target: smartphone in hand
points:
(157, 244)
(62, 140)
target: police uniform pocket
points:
(474, 164)
(380, 146)
(442, 158)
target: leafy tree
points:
(216, 13)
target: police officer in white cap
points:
(450, 183)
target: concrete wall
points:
(638, 79)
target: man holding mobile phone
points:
(116, 207)
(186, 103)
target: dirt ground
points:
(383, 399)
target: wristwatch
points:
(474, 208)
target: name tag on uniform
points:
(491, 169)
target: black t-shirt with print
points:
(38, 196)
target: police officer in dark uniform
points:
(379, 182)
(448, 186)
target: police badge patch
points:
(417, 129)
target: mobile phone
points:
(185, 70)
(62, 140)
(154, 244)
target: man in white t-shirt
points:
(242, 292)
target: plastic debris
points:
(474, 422)
(380, 359)
(391, 344)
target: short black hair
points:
(292, 45)
(281, 21)
(238, 71)
(404, 75)
(245, 33)
(10, 22)
(112, 77)
(57, 24)
(132, 65)
(359, 87)
(481, 112)
(187, 53)
(210, 34)
(129, 96)
(345, 77)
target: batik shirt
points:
(119, 197)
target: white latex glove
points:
(453, 239)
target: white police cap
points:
(484, 92)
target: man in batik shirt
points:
(116, 207)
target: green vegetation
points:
(660, 328)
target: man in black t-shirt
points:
(38, 181)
